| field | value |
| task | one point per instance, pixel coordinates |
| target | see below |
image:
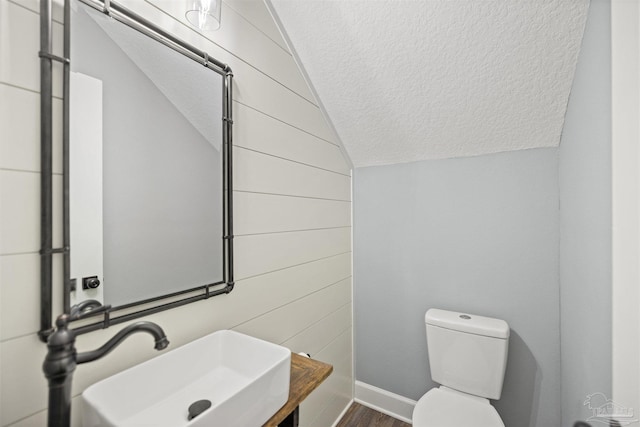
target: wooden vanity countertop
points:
(306, 375)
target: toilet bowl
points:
(467, 356)
(445, 407)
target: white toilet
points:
(468, 357)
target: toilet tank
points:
(466, 352)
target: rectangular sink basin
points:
(245, 379)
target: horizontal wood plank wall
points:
(293, 214)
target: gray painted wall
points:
(479, 235)
(585, 222)
(485, 235)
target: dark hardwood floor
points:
(361, 416)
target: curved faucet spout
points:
(161, 341)
(62, 359)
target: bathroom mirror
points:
(147, 168)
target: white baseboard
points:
(344, 411)
(392, 404)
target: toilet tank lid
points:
(469, 323)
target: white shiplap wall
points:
(292, 215)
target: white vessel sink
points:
(245, 379)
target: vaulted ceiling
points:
(407, 80)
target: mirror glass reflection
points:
(146, 192)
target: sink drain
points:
(196, 408)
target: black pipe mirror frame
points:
(108, 315)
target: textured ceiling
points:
(411, 80)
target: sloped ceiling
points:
(409, 80)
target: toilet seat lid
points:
(443, 407)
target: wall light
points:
(204, 14)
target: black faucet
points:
(161, 341)
(62, 358)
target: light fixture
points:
(204, 14)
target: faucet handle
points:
(62, 321)
(63, 336)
